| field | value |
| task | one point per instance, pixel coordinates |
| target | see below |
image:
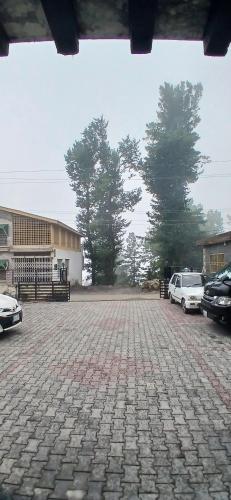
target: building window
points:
(28, 231)
(217, 261)
(4, 231)
(4, 265)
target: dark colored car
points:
(216, 301)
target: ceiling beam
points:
(217, 35)
(142, 14)
(62, 21)
(4, 43)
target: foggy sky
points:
(48, 99)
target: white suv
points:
(187, 289)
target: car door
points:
(172, 282)
(177, 290)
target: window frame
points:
(178, 278)
(215, 262)
(173, 280)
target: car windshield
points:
(192, 280)
(224, 273)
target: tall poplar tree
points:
(172, 163)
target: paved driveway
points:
(113, 400)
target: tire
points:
(172, 301)
(184, 308)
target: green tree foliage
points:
(152, 257)
(139, 261)
(214, 222)
(133, 260)
(172, 162)
(97, 177)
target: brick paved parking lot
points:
(112, 400)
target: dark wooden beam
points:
(4, 43)
(142, 14)
(62, 21)
(217, 35)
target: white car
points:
(187, 289)
(10, 312)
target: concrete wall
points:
(224, 248)
(75, 264)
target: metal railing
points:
(164, 289)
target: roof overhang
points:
(20, 213)
(68, 21)
(213, 240)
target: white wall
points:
(75, 263)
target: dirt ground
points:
(110, 293)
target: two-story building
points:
(216, 251)
(32, 247)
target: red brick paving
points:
(115, 400)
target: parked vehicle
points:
(10, 312)
(216, 301)
(187, 289)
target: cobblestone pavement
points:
(119, 400)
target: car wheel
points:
(172, 301)
(185, 310)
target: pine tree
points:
(134, 259)
(214, 222)
(97, 177)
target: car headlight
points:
(1, 309)
(223, 301)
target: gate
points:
(31, 269)
(54, 291)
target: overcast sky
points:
(47, 100)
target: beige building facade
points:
(33, 246)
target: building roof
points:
(39, 217)
(68, 21)
(213, 240)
